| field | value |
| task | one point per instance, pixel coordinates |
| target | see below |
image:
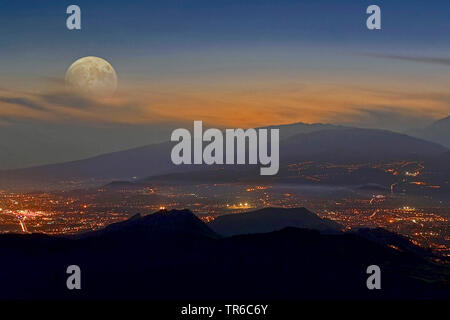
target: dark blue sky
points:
(133, 27)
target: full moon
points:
(92, 76)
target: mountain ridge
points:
(271, 219)
(343, 144)
(438, 132)
(287, 264)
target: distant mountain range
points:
(174, 256)
(438, 132)
(137, 162)
(30, 143)
(353, 145)
(301, 143)
(289, 130)
(343, 147)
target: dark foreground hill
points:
(173, 255)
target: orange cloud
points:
(228, 105)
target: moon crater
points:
(92, 76)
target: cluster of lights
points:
(241, 205)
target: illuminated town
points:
(424, 221)
(402, 197)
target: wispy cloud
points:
(390, 107)
(420, 59)
(23, 102)
(57, 104)
(70, 100)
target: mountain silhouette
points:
(438, 132)
(174, 256)
(393, 240)
(289, 130)
(271, 219)
(352, 145)
(343, 145)
(335, 145)
(158, 223)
